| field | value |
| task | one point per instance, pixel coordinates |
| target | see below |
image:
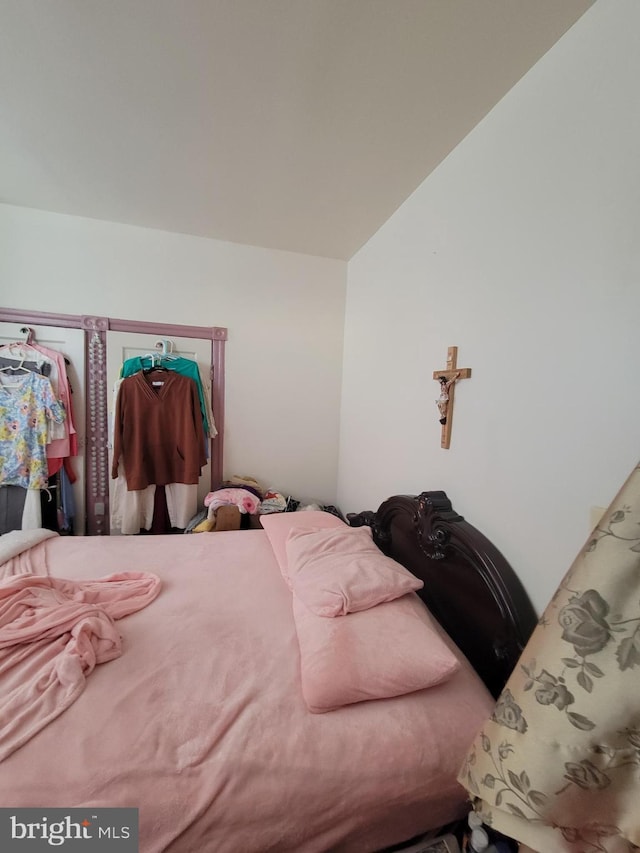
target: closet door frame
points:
(97, 424)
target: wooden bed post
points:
(448, 379)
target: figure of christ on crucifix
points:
(448, 379)
(443, 400)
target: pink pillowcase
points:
(340, 570)
(388, 650)
(278, 526)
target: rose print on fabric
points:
(512, 790)
(584, 624)
(586, 775)
(552, 692)
(508, 713)
(558, 763)
(586, 628)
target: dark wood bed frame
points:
(468, 585)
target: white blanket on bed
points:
(17, 541)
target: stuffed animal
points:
(246, 501)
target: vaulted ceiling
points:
(289, 124)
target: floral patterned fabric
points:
(558, 764)
(27, 406)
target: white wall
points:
(284, 313)
(523, 250)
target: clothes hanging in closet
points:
(183, 366)
(158, 430)
(19, 509)
(27, 406)
(37, 435)
(133, 511)
(62, 437)
(160, 437)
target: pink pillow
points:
(388, 650)
(341, 570)
(278, 526)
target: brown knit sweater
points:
(158, 430)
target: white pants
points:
(133, 511)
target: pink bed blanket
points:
(201, 723)
(53, 633)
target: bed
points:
(226, 721)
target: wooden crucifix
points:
(447, 379)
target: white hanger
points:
(13, 384)
(167, 349)
(15, 367)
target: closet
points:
(96, 348)
(143, 368)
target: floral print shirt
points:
(27, 406)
